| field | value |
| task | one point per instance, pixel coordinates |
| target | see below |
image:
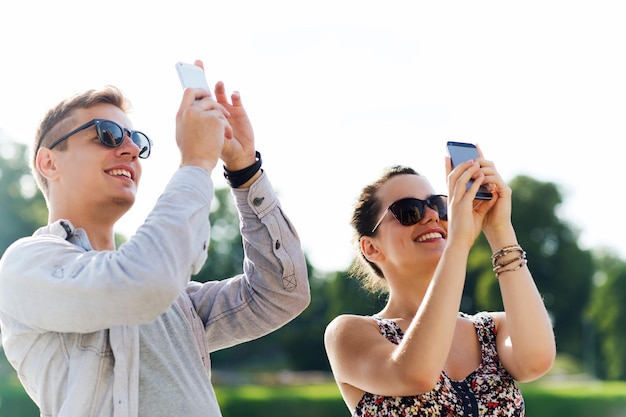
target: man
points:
(94, 331)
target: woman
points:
(419, 356)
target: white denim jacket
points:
(69, 315)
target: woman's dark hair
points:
(364, 217)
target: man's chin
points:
(125, 203)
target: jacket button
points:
(257, 201)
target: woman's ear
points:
(370, 249)
(46, 163)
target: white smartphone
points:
(460, 152)
(191, 76)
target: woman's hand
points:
(492, 216)
(498, 216)
(465, 214)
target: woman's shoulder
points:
(350, 320)
(487, 321)
(350, 325)
(485, 316)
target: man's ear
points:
(46, 163)
(370, 249)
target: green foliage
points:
(563, 272)
(225, 257)
(13, 399)
(299, 345)
(302, 338)
(346, 296)
(331, 295)
(14, 402)
(607, 314)
(22, 207)
(481, 288)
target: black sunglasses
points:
(409, 211)
(111, 134)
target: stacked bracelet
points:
(511, 264)
(237, 178)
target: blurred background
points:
(337, 91)
(584, 290)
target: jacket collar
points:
(66, 230)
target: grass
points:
(575, 399)
(543, 399)
(563, 399)
(273, 401)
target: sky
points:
(339, 90)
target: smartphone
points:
(191, 76)
(460, 152)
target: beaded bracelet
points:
(505, 250)
(237, 178)
(498, 266)
(502, 264)
(515, 268)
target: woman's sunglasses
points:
(111, 134)
(409, 211)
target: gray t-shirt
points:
(172, 379)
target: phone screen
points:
(461, 152)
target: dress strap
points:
(486, 331)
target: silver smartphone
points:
(460, 152)
(191, 76)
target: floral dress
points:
(489, 391)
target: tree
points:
(22, 206)
(225, 257)
(563, 272)
(607, 315)
(331, 294)
(299, 345)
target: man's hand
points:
(201, 129)
(238, 152)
